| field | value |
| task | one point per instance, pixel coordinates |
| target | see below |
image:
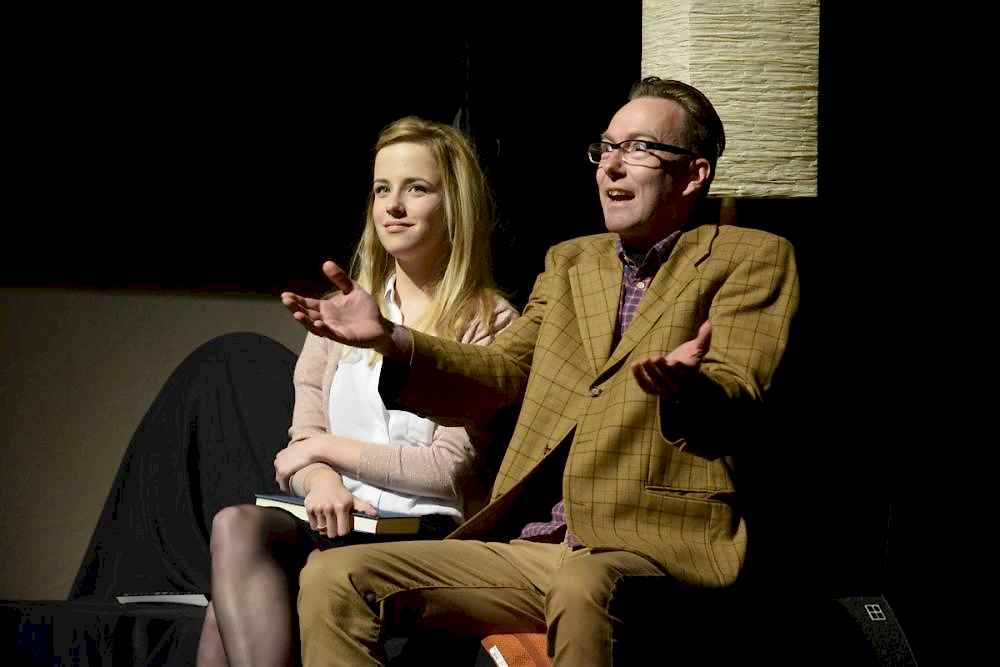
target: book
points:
(386, 523)
(196, 599)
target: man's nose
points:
(611, 163)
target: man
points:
(620, 464)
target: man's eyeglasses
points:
(634, 151)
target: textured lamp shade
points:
(759, 64)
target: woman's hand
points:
(291, 459)
(329, 505)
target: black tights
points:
(256, 556)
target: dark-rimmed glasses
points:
(634, 151)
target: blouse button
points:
(595, 391)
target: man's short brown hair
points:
(704, 132)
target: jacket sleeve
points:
(751, 307)
(442, 469)
(464, 385)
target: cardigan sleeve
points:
(309, 414)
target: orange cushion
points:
(523, 649)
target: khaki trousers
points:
(349, 594)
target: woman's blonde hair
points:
(465, 290)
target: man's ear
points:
(699, 176)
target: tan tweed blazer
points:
(641, 476)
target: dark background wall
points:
(232, 150)
(216, 151)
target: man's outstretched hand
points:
(350, 317)
(664, 376)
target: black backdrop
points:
(210, 150)
(218, 150)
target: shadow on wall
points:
(81, 368)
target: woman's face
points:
(408, 203)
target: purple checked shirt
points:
(635, 282)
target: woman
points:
(425, 250)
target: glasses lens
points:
(594, 153)
(636, 152)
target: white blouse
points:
(356, 411)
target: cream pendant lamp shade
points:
(758, 62)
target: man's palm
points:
(664, 376)
(353, 319)
(690, 353)
(350, 317)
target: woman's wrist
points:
(318, 471)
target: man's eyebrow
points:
(638, 136)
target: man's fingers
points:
(704, 338)
(292, 306)
(308, 306)
(644, 382)
(691, 352)
(656, 369)
(338, 277)
(297, 304)
(310, 319)
(658, 375)
(667, 374)
(293, 301)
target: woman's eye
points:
(416, 187)
(381, 189)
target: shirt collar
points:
(392, 311)
(654, 257)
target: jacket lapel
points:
(596, 285)
(676, 273)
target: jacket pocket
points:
(696, 495)
(673, 470)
